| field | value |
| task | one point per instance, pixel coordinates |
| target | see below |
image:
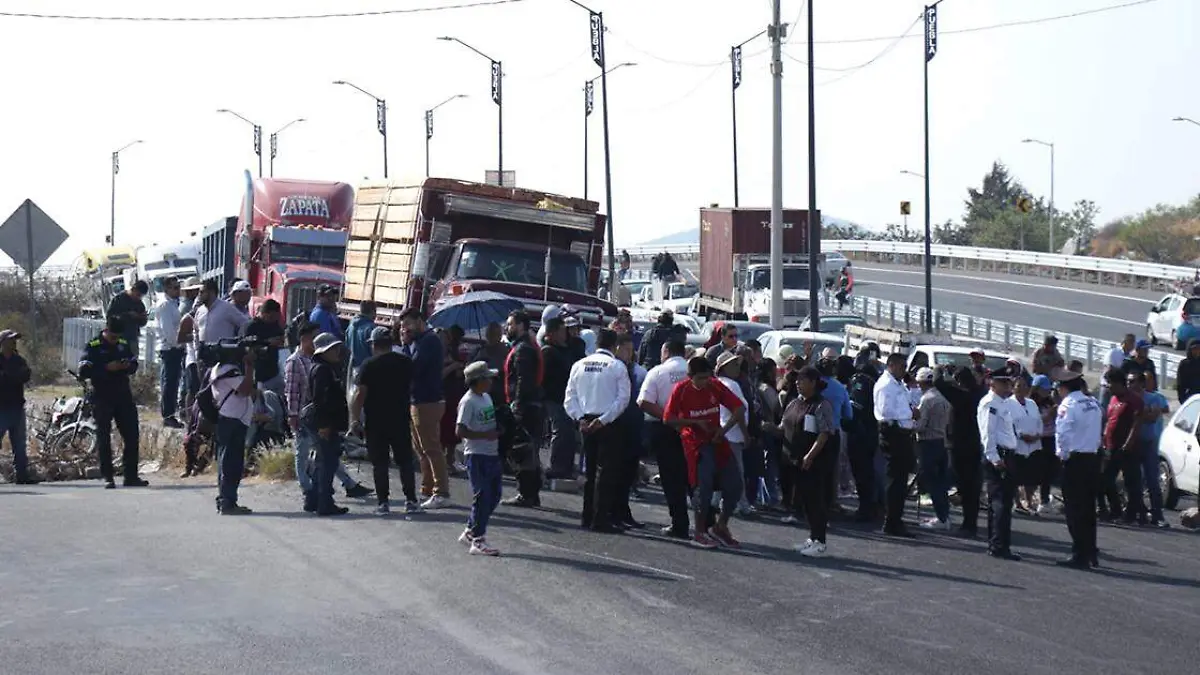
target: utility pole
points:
(776, 34)
(814, 219)
(275, 144)
(497, 98)
(380, 118)
(116, 168)
(930, 52)
(429, 127)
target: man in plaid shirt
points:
(295, 377)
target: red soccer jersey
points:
(688, 402)
(1123, 412)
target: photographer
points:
(235, 407)
(268, 334)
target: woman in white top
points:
(1027, 419)
(728, 370)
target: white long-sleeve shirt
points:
(598, 385)
(996, 427)
(892, 403)
(661, 380)
(166, 318)
(1078, 425)
(735, 434)
(1028, 420)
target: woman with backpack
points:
(807, 428)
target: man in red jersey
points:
(694, 408)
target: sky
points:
(1102, 87)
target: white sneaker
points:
(1045, 508)
(479, 546)
(789, 519)
(466, 537)
(435, 502)
(815, 550)
(935, 524)
(800, 547)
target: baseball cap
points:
(9, 334)
(1043, 381)
(1142, 344)
(477, 371)
(324, 342)
(326, 289)
(1005, 373)
(786, 352)
(551, 312)
(380, 334)
(242, 285)
(925, 375)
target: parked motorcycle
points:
(69, 434)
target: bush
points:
(55, 298)
(276, 465)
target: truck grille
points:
(301, 297)
(795, 308)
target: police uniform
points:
(1077, 430)
(599, 389)
(894, 414)
(112, 401)
(998, 435)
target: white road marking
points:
(647, 599)
(990, 280)
(81, 610)
(619, 561)
(1017, 302)
(5, 623)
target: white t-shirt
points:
(235, 405)
(476, 412)
(735, 434)
(661, 381)
(1116, 357)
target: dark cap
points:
(380, 334)
(326, 289)
(1005, 373)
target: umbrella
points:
(474, 310)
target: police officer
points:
(597, 393)
(108, 361)
(1077, 442)
(894, 412)
(998, 434)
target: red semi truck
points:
(735, 264)
(289, 240)
(414, 244)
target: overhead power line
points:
(289, 17)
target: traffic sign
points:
(30, 237)
(905, 208)
(1024, 204)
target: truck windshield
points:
(307, 253)
(522, 266)
(794, 278)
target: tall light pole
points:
(380, 118)
(498, 99)
(1185, 119)
(257, 136)
(1052, 213)
(116, 168)
(931, 46)
(776, 34)
(588, 98)
(814, 220)
(275, 143)
(735, 64)
(429, 127)
(596, 33)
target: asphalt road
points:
(152, 581)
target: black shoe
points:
(1094, 560)
(187, 473)
(136, 482)
(861, 516)
(632, 524)
(335, 511)
(110, 484)
(310, 507)
(606, 528)
(234, 510)
(520, 501)
(27, 480)
(1076, 562)
(1005, 555)
(902, 532)
(670, 531)
(358, 491)
(172, 423)
(965, 531)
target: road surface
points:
(152, 581)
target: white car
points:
(1174, 320)
(955, 355)
(1179, 453)
(771, 342)
(834, 262)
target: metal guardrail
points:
(78, 331)
(1113, 267)
(1013, 338)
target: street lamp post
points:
(498, 99)
(116, 168)
(257, 137)
(931, 47)
(588, 98)
(1052, 213)
(429, 127)
(776, 34)
(814, 220)
(1185, 119)
(275, 143)
(380, 118)
(735, 63)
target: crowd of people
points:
(733, 434)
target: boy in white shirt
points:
(476, 425)
(728, 370)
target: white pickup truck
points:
(938, 349)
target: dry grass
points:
(276, 465)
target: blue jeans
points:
(935, 474)
(12, 422)
(768, 491)
(169, 371)
(304, 444)
(231, 458)
(564, 440)
(329, 453)
(1150, 475)
(485, 473)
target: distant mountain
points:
(692, 236)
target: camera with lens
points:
(232, 350)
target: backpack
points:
(293, 329)
(206, 402)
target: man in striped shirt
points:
(295, 376)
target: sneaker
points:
(800, 547)
(1045, 508)
(335, 511)
(703, 540)
(459, 467)
(479, 546)
(935, 524)
(466, 537)
(233, 510)
(358, 491)
(411, 508)
(172, 423)
(789, 519)
(383, 509)
(435, 502)
(724, 537)
(813, 549)
(1161, 524)
(136, 482)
